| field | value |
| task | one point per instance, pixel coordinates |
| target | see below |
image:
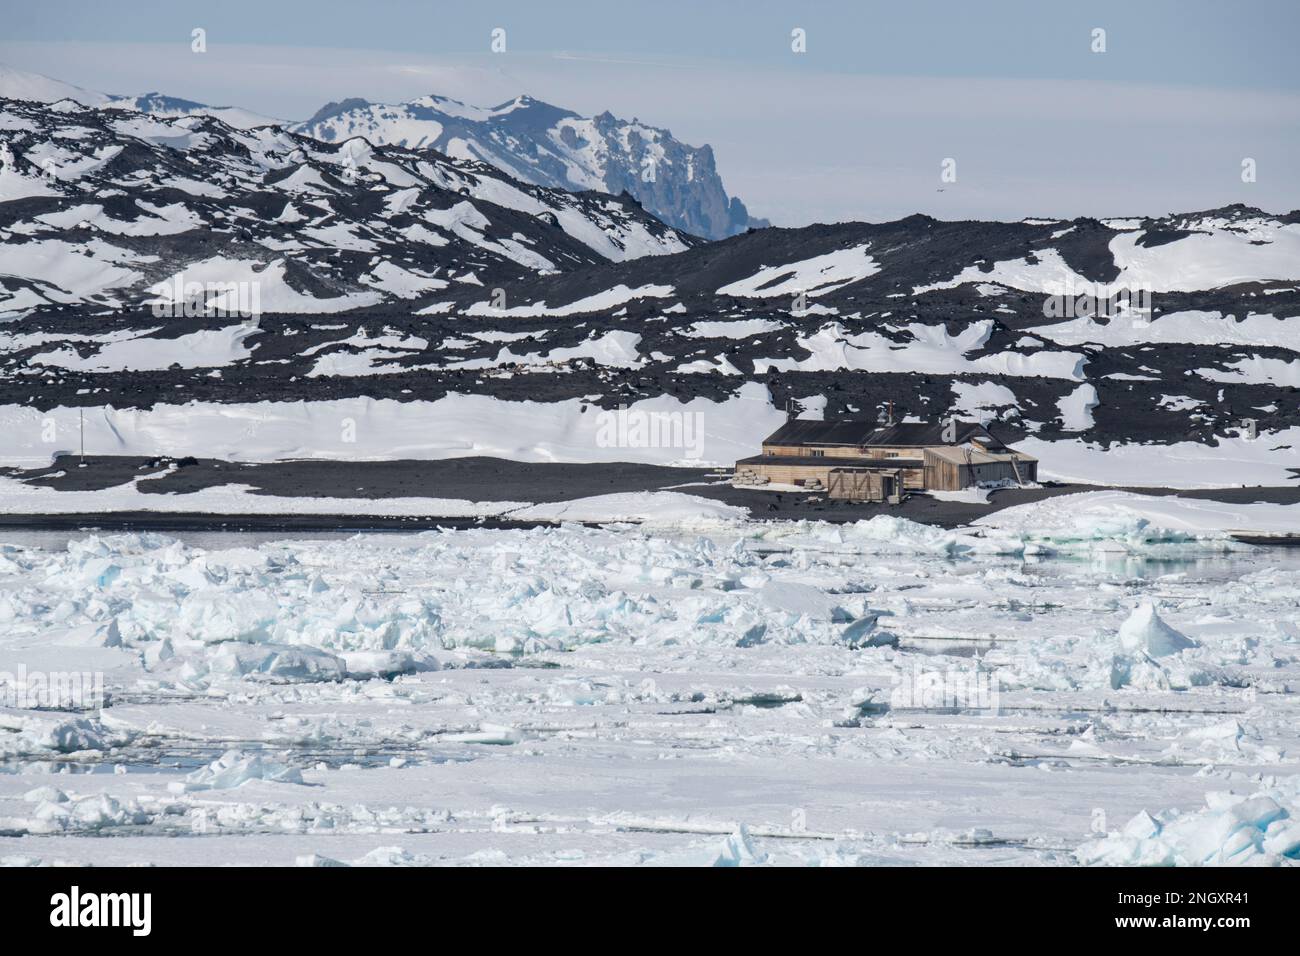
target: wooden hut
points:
(866, 461)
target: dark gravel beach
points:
(488, 479)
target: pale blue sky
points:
(856, 128)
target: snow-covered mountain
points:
(447, 282)
(530, 140)
(549, 146)
(97, 207)
(157, 104)
(22, 85)
(988, 321)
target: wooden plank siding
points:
(913, 478)
(791, 474)
(838, 451)
(940, 474)
(944, 475)
(874, 452)
(807, 451)
(854, 485)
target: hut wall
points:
(790, 474)
(940, 474)
(805, 451)
(855, 485)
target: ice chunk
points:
(67, 734)
(98, 812)
(388, 856)
(1283, 839)
(1145, 632)
(366, 664)
(486, 734)
(158, 653)
(95, 572)
(863, 703)
(94, 634)
(1138, 523)
(229, 615)
(738, 850)
(1142, 827)
(1232, 830)
(278, 663)
(45, 795)
(234, 769)
(864, 633)
(802, 599)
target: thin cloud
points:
(797, 145)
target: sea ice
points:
(631, 695)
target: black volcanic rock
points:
(407, 275)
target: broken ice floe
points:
(301, 612)
(37, 733)
(666, 657)
(1230, 830)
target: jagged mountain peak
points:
(528, 138)
(552, 146)
(525, 102)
